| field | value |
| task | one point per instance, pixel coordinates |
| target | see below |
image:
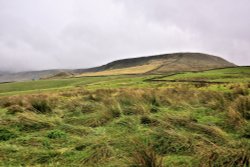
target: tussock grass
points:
(239, 112)
(55, 134)
(145, 156)
(98, 151)
(159, 125)
(234, 119)
(242, 105)
(246, 131)
(40, 106)
(170, 142)
(226, 157)
(145, 120)
(15, 109)
(29, 121)
(239, 90)
(6, 134)
(75, 130)
(213, 132)
(95, 120)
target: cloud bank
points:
(49, 34)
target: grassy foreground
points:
(125, 121)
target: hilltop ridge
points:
(174, 62)
(157, 64)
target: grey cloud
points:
(46, 34)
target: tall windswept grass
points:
(176, 125)
(239, 112)
(6, 134)
(40, 106)
(242, 105)
(98, 152)
(145, 156)
(170, 142)
(234, 119)
(240, 90)
(221, 156)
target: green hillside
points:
(156, 64)
(236, 74)
(128, 120)
(159, 64)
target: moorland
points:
(144, 119)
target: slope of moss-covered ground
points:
(125, 121)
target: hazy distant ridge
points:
(151, 64)
(163, 63)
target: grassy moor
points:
(139, 120)
(124, 83)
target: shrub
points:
(41, 106)
(55, 134)
(6, 135)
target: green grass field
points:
(237, 74)
(128, 120)
(47, 84)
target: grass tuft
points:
(41, 106)
(6, 134)
(145, 156)
(56, 134)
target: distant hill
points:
(158, 64)
(29, 75)
(175, 62)
(4, 72)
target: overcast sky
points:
(47, 34)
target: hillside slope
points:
(158, 64)
(124, 121)
(175, 62)
(29, 75)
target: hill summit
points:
(159, 64)
(175, 62)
